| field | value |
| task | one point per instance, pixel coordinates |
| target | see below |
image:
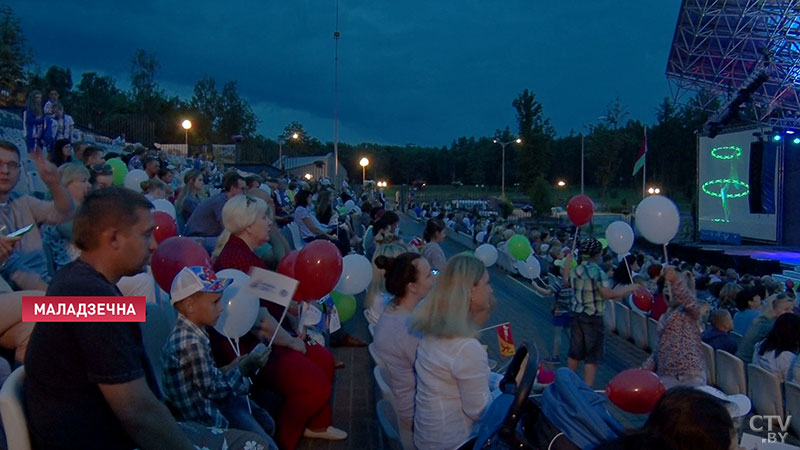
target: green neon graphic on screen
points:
(726, 188)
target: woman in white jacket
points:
(452, 366)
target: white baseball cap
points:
(191, 280)
(738, 404)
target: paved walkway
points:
(529, 314)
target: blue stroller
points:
(570, 415)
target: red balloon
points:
(635, 390)
(318, 268)
(286, 266)
(580, 209)
(643, 299)
(165, 226)
(174, 254)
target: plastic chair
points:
(155, 332)
(711, 365)
(622, 317)
(730, 373)
(388, 420)
(12, 411)
(608, 317)
(793, 405)
(652, 334)
(764, 389)
(374, 354)
(639, 329)
(382, 380)
(371, 327)
(297, 242)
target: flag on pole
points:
(642, 154)
(506, 340)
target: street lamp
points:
(653, 190)
(561, 183)
(186, 124)
(503, 178)
(281, 141)
(363, 163)
(308, 176)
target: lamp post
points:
(186, 124)
(363, 163)
(281, 141)
(503, 178)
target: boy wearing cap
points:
(194, 387)
(591, 287)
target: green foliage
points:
(506, 208)
(541, 196)
(15, 56)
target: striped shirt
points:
(586, 281)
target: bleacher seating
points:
(792, 405)
(764, 390)
(638, 329)
(711, 363)
(622, 319)
(12, 411)
(730, 373)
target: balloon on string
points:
(487, 253)
(580, 209)
(643, 299)
(603, 242)
(530, 268)
(658, 219)
(317, 269)
(286, 266)
(172, 255)
(133, 179)
(479, 237)
(635, 390)
(345, 305)
(620, 237)
(356, 275)
(164, 205)
(239, 306)
(520, 247)
(165, 226)
(118, 169)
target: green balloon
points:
(520, 247)
(119, 169)
(345, 305)
(603, 242)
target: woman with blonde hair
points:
(190, 195)
(377, 298)
(302, 374)
(452, 366)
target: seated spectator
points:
(190, 195)
(310, 228)
(93, 156)
(409, 279)
(718, 335)
(452, 365)
(154, 189)
(27, 265)
(748, 301)
(727, 297)
(194, 387)
(89, 384)
(272, 251)
(434, 234)
(776, 306)
(206, 220)
(62, 153)
(167, 176)
(102, 176)
(377, 297)
(136, 160)
(777, 352)
(302, 373)
(151, 166)
(58, 238)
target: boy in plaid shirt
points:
(194, 387)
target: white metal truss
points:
(721, 45)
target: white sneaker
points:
(331, 434)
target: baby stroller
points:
(568, 416)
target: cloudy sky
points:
(411, 71)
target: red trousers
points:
(304, 380)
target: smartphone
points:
(21, 231)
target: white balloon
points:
(479, 237)
(239, 306)
(356, 275)
(530, 268)
(620, 237)
(486, 253)
(134, 178)
(164, 205)
(658, 219)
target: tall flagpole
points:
(644, 166)
(336, 36)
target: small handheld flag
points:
(506, 340)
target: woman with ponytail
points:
(433, 235)
(408, 279)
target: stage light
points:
(789, 131)
(776, 138)
(796, 141)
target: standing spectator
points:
(64, 123)
(592, 287)
(559, 288)
(89, 385)
(52, 99)
(434, 234)
(718, 335)
(33, 121)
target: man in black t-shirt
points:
(90, 385)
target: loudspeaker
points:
(756, 164)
